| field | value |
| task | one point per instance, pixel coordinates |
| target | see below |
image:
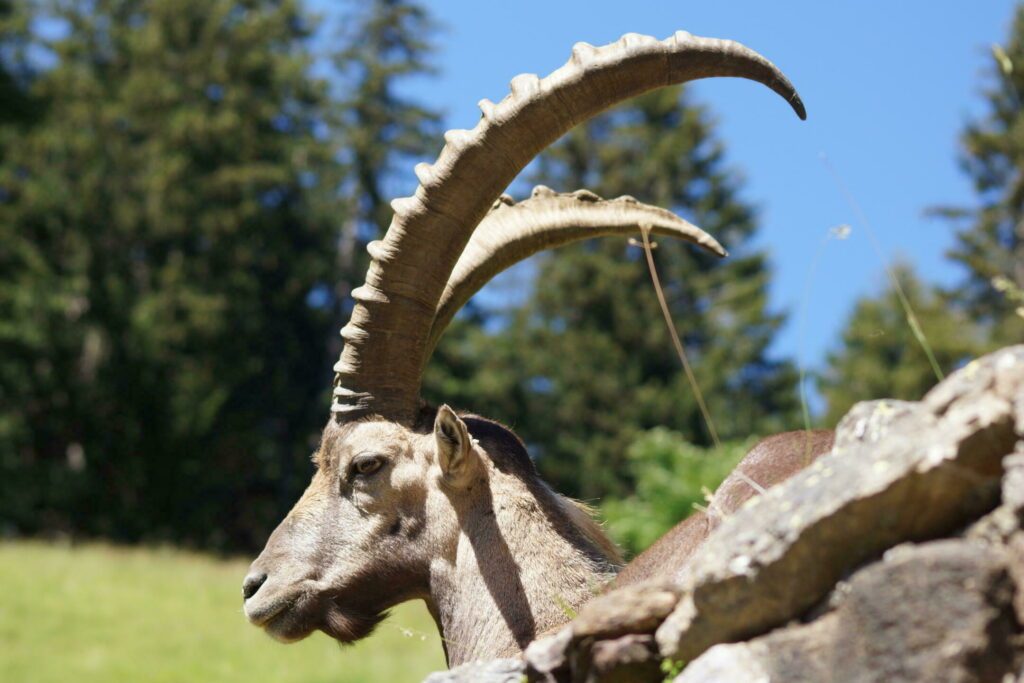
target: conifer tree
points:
(991, 249)
(16, 104)
(384, 43)
(880, 356)
(162, 230)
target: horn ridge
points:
(512, 232)
(430, 230)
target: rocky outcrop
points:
(938, 611)
(496, 671)
(899, 556)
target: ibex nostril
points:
(252, 584)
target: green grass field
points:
(101, 613)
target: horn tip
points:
(798, 106)
(714, 246)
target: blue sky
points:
(888, 87)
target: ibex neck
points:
(521, 567)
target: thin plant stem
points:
(811, 273)
(800, 359)
(915, 325)
(645, 231)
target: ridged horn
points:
(514, 231)
(387, 335)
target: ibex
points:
(410, 501)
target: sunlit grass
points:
(101, 613)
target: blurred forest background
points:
(186, 191)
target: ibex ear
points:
(454, 446)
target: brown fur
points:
(771, 461)
(457, 516)
(507, 450)
(585, 518)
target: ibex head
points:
(412, 502)
(384, 502)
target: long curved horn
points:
(386, 337)
(512, 231)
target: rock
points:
(548, 658)
(589, 659)
(870, 421)
(627, 659)
(638, 608)
(494, 671)
(1015, 559)
(793, 654)
(783, 552)
(1013, 480)
(938, 611)
(835, 575)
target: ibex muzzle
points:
(410, 502)
(353, 545)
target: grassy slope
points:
(98, 613)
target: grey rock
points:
(494, 671)
(870, 421)
(627, 659)
(833, 575)
(1015, 560)
(637, 608)
(1013, 480)
(548, 658)
(924, 472)
(938, 611)
(997, 527)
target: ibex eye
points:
(364, 465)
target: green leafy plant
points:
(672, 478)
(672, 668)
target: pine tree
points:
(991, 249)
(588, 362)
(16, 104)
(880, 356)
(163, 227)
(383, 44)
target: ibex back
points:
(412, 502)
